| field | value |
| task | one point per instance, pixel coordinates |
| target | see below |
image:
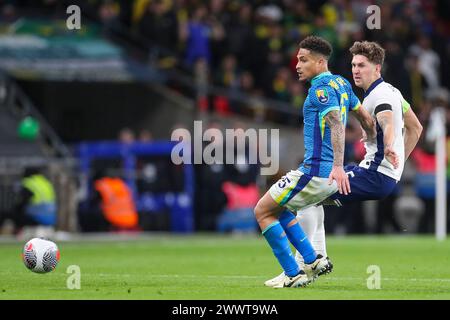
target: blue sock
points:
(276, 237)
(297, 236)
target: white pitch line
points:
(263, 277)
(394, 279)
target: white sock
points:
(312, 222)
(318, 242)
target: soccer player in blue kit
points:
(321, 174)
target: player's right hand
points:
(391, 156)
(343, 184)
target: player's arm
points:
(413, 130)
(363, 116)
(334, 122)
(385, 119)
(366, 121)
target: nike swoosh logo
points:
(303, 239)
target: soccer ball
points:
(40, 255)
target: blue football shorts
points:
(366, 184)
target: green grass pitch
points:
(225, 267)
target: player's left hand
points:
(391, 156)
(338, 174)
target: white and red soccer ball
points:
(40, 255)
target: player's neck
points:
(319, 74)
(374, 81)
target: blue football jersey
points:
(328, 92)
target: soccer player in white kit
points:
(398, 131)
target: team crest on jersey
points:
(322, 95)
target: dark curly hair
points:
(371, 50)
(317, 45)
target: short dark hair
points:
(317, 45)
(371, 50)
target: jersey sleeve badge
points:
(322, 95)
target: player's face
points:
(308, 65)
(364, 72)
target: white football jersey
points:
(382, 93)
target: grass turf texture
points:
(220, 267)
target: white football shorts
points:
(297, 190)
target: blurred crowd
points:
(250, 46)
